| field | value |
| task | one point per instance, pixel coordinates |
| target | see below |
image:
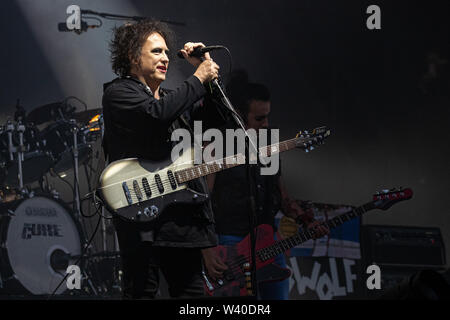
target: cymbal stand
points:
(20, 158)
(9, 130)
(102, 131)
(77, 204)
(76, 195)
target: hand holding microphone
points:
(207, 70)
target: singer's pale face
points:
(154, 60)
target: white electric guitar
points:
(139, 190)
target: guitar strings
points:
(234, 158)
(166, 181)
(235, 264)
(275, 247)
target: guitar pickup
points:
(127, 193)
(159, 183)
(147, 190)
(137, 190)
(172, 181)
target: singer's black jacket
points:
(138, 125)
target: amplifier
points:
(402, 246)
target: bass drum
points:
(38, 237)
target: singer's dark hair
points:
(241, 92)
(129, 39)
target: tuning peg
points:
(311, 148)
(306, 150)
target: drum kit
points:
(40, 235)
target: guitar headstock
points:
(307, 140)
(386, 198)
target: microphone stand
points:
(122, 17)
(251, 177)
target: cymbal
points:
(44, 113)
(50, 112)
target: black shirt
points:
(230, 199)
(139, 125)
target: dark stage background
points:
(384, 93)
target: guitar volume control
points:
(153, 211)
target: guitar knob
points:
(153, 210)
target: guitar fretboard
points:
(291, 242)
(204, 169)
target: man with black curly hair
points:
(139, 118)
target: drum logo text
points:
(43, 212)
(36, 229)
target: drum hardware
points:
(45, 113)
(54, 193)
(75, 167)
(20, 143)
(58, 140)
(21, 130)
(9, 130)
(29, 163)
(20, 114)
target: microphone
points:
(62, 27)
(199, 52)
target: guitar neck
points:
(205, 169)
(303, 236)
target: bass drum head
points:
(40, 230)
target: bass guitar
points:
(237, 257)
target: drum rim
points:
(5, 263)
